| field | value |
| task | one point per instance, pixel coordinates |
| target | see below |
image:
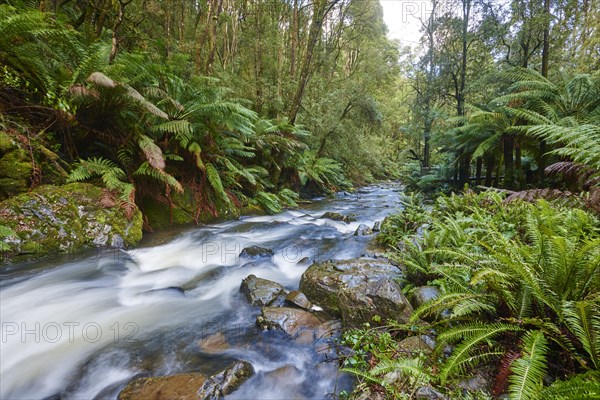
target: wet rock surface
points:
(338, 217)
(181, 387)
(423, 294)
(189, 386)
(262, 292)
(226, 382)
(255, 252)
(356, 290)
(363, 230)
(298, 299)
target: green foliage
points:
(514, 278)
(526, 382)
(5, 232)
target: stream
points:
(81, 326)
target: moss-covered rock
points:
(15, 172)
(357, 290)
(56, 219)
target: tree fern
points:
(214, 179)
(112, 176)
(145, 169)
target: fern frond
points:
(472, 336)
(526, 383)
(581, 386)
(583, 319)
(152, 152)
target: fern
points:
(215, 182)
(583, 319)
(582, 386)
(145, 169)
(409, 366)
(526, 383)
(472, 335)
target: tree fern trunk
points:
(489, 170)
(478, 171)
(509, 167)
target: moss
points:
(6, 143)
(54, 219)
(15, 171)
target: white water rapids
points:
(81, 326)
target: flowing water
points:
(81, 326)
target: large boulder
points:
(262, 292)
(54, 219)
(368, 299)
(357, 290)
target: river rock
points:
(226, 382)
(298, 299)
(301, 326)
(367, 394)
(359, 304)
(357, 290)
(180, 386)
(55, 219)
(429, 393)
(214, 344)
(363, 230)
(262, 292)
(338, 217)
(414, 345)
(290, 320)
(377, 226)
(478, 382)
(423, 294)
(256, 252)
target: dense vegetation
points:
(193, 110)
(518, 303)
(224, 105)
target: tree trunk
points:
(115, 33)
(294, 41)
(213, 37)
(320, 11)
(478, 171)
(509, 167)
(489, 170)
(545, 61)
(518, 167)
